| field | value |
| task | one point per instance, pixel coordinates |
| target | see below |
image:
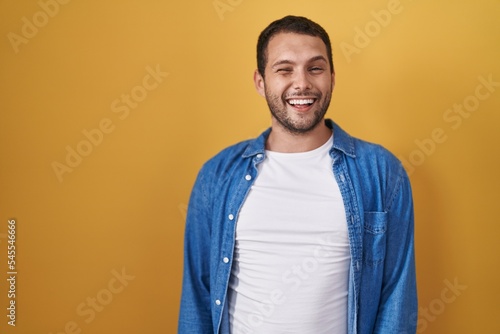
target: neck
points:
(282, 140)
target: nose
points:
(302, 81)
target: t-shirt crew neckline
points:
(325, 148)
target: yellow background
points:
(123, 206)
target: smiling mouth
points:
(301, 103)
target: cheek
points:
(325, 84)
(274, 93)
(277, 85)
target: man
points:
(304, 229)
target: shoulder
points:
(376, 168)
(361, 151)
(369, 152)
(236, 155)
(227, 157)
(229, 162)
(381, 169)
(379, 174)
(377, 161)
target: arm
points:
(195, 313)
(398, 303)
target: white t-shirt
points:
(291, 257)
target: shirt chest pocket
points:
(374, 237)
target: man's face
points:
(298, 81)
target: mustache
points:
(303, 94)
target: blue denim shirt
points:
(382, 296)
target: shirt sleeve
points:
(195, 312)
(398, 303)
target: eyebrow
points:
(288, 62)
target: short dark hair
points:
(290, 24)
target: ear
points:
(260, 86)
(333, 80)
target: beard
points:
(303, 123)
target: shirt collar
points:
(341, 141)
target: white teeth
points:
(308, 101)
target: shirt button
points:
(225, 260)
(342, 178)
(217, 302)
(248, 177)
(231, 217)
(259, 156)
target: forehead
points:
(294, 47)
